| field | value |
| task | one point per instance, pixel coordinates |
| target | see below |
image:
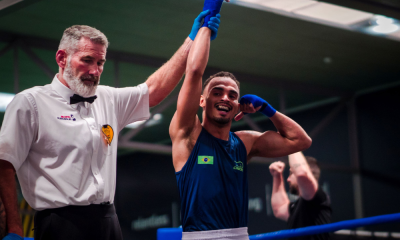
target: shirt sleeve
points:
(18, 130)
(131, 104)
(319, 198)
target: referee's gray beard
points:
(76, 84)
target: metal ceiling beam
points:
(329, 118)
(46, 69)
(16, 69)
(52, 45)
(282, 101)
(326, 102)
(147, 147)
(283, 84)
(136, 58)
(355, 158)
(48, 44)
(321, 103)
(253, 125)
(16, 6)
(116, 74)
(385, 7)
(6, 49)
(293, 86)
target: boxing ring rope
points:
(176, 233)
(331, 227)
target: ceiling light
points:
(7, 3)
(382, 25)
(382, 20)
(327, 60)
(5, 99)
(329, 14)
(156, 119)
(384, 29)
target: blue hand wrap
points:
(213, 24)
(197, 25)
(214, 6)
(13, 236)
(266, 109)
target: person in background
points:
(312, 206)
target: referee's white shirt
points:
(58, 149)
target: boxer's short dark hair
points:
(221, 74)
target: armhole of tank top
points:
(242, 143)
(180, 171)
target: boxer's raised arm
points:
(165, 79)
(189, 96)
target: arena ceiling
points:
(293, 64)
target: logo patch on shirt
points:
(68, 118)
(205, 160)
(239, 166)
(108, 133)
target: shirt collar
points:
(65, 92)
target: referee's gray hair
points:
(72, 35)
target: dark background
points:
(309, 70)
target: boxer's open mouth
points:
(224, 108)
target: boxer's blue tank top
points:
(213, 185)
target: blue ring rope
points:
(331, 227)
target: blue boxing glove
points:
(213, 24)
(214, 6)
(266, 109)
(13, 236)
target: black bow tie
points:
(76, 99)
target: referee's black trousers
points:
(93, 222)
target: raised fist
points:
(276, 168)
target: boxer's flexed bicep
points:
(290, 137)
(264, 144)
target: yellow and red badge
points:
(108, 133)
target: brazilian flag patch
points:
(205, 160)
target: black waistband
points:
(89, 211)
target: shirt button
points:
(95, 173)
(93, 127)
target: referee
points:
(61, 140)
